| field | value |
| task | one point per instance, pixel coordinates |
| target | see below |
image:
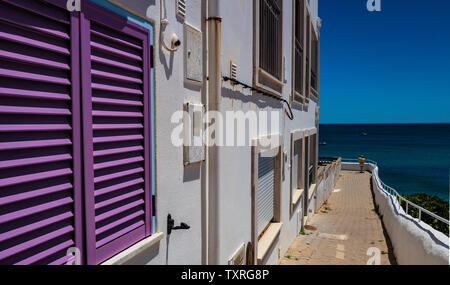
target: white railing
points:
(398, 198)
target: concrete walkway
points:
(344, 229)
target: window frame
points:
(314, 92)
(311, 161)
(263, 242)
(261, 78)
(299, 98)
(296, 194)
(308, 56)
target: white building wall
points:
(180, 189)
(237, 45)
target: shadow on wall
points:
(391, 255)
(192, 172)
(246, 96)
(145, 257)
(168, 65)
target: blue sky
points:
(391, 66)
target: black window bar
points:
(270, 36)
(299, 30)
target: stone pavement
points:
(344, 229)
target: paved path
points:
(346, 227)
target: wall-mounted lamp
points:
(175, 42)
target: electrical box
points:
(193, 54)
(194, 148)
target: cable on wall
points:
(262, 92)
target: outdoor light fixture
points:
(175, 42)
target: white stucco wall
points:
(326, 186)
(235, 201)
(178, 189)
(414, 242)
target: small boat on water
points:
(323, 143)
(364, 134)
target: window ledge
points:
(269, 76)
(297, 195)
(267, 239)
(134, 250)
(269, 83)
(311, 191)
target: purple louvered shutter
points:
(40, 147)
(116, 131)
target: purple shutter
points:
(40, 157)
(116, 132)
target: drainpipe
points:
(214, 25)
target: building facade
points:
(106, 147)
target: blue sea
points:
(412, 158)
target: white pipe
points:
(163, 24)
(205, 191)
(214, 23)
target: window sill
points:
(298, 99)
(134, 250)
(311, 191)
(269, 83)
(297, 195)
(267, 239)
(269, 76)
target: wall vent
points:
(233, 70)
(181, 8)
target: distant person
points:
(361, 161)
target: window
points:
(297, 178)
(296, 183)
(266, 196)
(299, 52)
(315, 65)
(305, 55)
(72, 176)
(308, 56)
(268, 61)
(270, 37)
(312, 157)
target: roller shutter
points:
(265, 193)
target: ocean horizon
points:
(412, 157)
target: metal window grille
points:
(314, 63)
(270, 36)
(299, 33)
